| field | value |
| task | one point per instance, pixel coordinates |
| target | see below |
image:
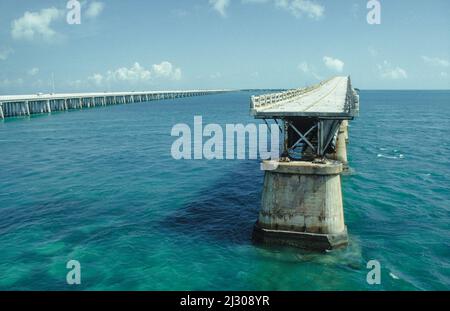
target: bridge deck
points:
(35, 97)
(26, 105)
(334, 98)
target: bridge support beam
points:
(302, 206)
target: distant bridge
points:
(26, 105)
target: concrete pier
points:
(302, 206)
(26, 105)
(302, 202)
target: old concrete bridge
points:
(26, 105)
(302, 198)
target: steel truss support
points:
(317, 137)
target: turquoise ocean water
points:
(99, 186)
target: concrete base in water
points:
(302, 206)
(304, 240)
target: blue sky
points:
(145, 45)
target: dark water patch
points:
(223, 212)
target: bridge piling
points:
(302, 206)
(302, 203)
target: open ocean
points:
(100, 186)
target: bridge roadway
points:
(334, 98)
(25, 105)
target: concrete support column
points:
(302, 206)
(47, 107)
(27, 108)
(341, 146)
(344, 127)
(2, 116)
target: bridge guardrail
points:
(267, 100)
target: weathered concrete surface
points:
(341, 147)
(302, 206)
(344, 126)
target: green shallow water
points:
(100, 186)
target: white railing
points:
(352, 99)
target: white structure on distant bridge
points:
(25, 105)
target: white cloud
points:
(309, 70)
(11, 83)
(5, 52)
(333, 63)
(298, 8)
(387, 71)
(94, 9)
(303, 67)
(40, 84)
(372, 51)
(33, 71)
(216, 75)
(134, 73)
(220, 6)
(96, 79)
(444, 74)
(35, 24)
(435, 61)
(78, 84)
(317, 76)
(167, 70)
